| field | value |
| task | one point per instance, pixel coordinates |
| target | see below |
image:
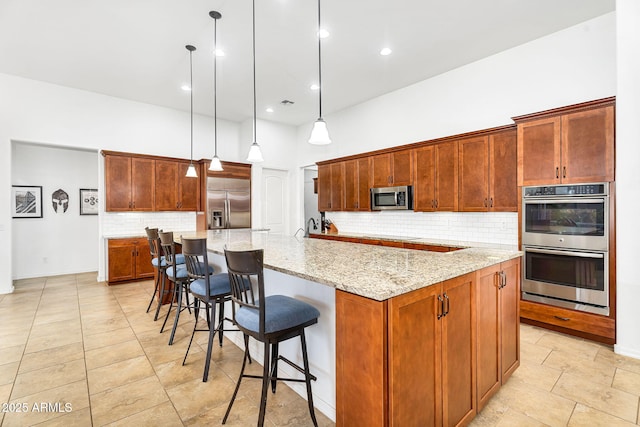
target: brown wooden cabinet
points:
(436, 177)
(174, 191)
(392, 169)
(129, 183)
(498, 326)
(331, 187)
(427, 376)
(129, 259)
(356, 185)
(487, 168)
(573, 144)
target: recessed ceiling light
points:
(385, 51)
(314, 87)
(269, 110)
(323, 33)
(219, 52)
(185, 87)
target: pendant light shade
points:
(191, 170)
(215, 165)
(319, 133)
(255, 154)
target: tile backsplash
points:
(485, 227)
(133, 223)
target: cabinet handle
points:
(562, 318)
(130, 205)
(485, 202)
(491, 202)
(446, 297)
(564, 171)
(436, 204)
(557, 173)
(503, 279)
(440, 307)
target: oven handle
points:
(569, 253)
(539, 200)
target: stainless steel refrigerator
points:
(228, 203)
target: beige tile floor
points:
(72, 341)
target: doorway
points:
(275, 200)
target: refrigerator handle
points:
(226, 213)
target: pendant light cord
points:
(215, 87)
(191, 93)
(254, 72)
(319, 64)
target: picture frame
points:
(26, 201)
(88, 201)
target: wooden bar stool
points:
(270, 320)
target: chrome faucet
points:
(315, 227)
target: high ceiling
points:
(135, 49)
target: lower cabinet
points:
(129, 259)
(409, 360)
(498, 326)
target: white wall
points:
(59, 242)
(628, 176)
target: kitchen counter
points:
(374, 272)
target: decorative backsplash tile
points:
(485, 227)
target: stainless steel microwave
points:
(392, 198)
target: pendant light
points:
(319, 133)
(191, 170)
(215, 161)
(255, 154)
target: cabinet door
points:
(364, 201)
(324, 188)
(488, 324)
(510, 318)
(458, 351)
(587, 146)
(415, 382)
(166, 185)
(351, 185)
(144, 268)
(424, 179)
(381, 170)
(361, 361)
(446, 194)
(142, 184)
(474, 174)
(401, 168)
(539, 152)
(122, 260)
(117, 176)
(503, 161)
(337, 186)
(188, 189)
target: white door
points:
(275, 200)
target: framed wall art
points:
(26, 201)
(88, 201)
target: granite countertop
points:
(376, 272)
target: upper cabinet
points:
(487, 170)
(356, 185)
(129, 183)
(331, 187)
(436, 177)
(392, 169)
(174, 190)
(568, 145)
(135, 182)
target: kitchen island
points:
(388, 317)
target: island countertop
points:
(374, 272)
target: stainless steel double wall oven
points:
(565, 239)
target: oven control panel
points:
(566, 190)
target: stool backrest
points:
(168, 247)
(154, 242)
(245, 268)
(196, 260)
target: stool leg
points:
(265, 384)
(178, 310)
(196, 310)
(220, 320)
(160, 294)
(244, 363)
(274, 366)
(212, 332)
(155, 290)
(173, 298)
(307, 378)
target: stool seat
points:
(281, 313)
(180, 272)
(163, 261)
(218, 285)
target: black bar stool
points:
(159, 264)
(207, 288)
(176, 272)
(270, 320)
